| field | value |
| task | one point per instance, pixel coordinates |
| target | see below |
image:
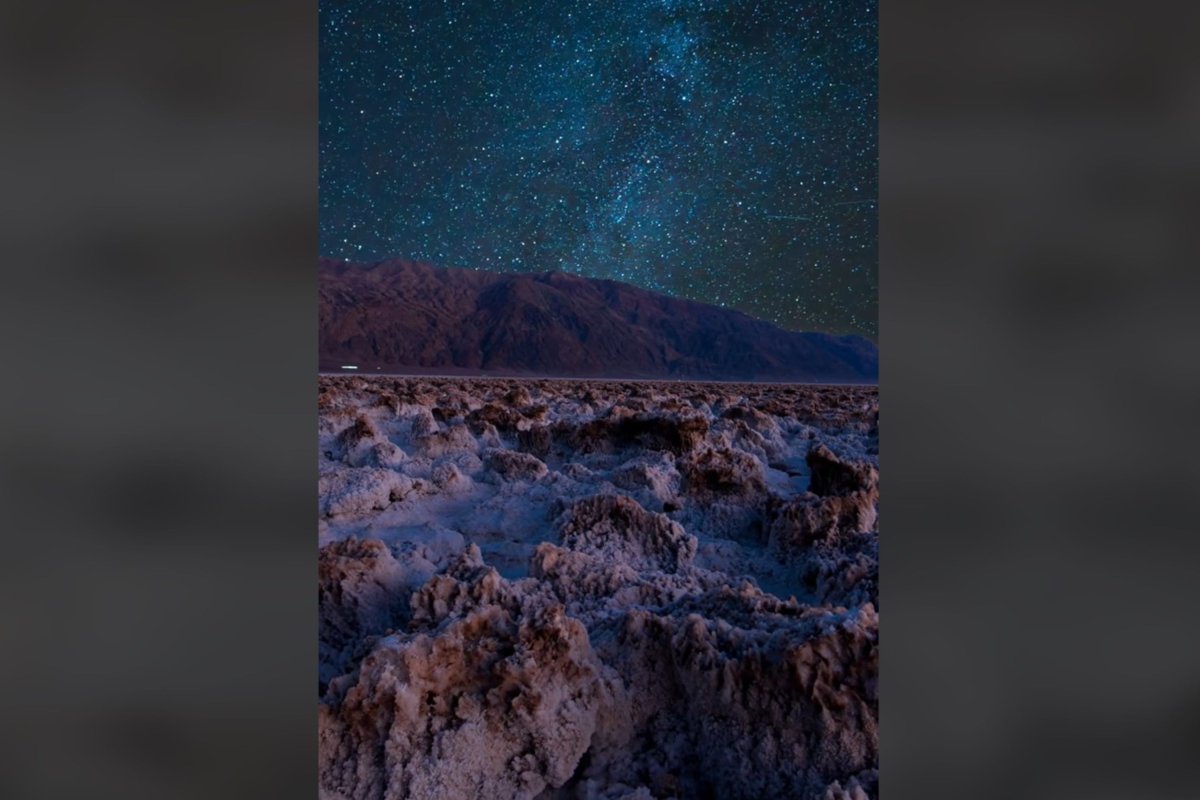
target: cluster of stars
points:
(720, 151)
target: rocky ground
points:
(597, 590)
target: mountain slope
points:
(402, 316)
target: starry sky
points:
(723, 151)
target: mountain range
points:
(401, 316)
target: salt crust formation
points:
(597, 590)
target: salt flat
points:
(538, 588)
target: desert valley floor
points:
(597, 589)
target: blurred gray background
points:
(1039, 173)
(1039, 393)
(156, 448)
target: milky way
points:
(720, 151)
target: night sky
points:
(720, 151)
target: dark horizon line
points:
(612, 379)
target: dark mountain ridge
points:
(404, 316)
